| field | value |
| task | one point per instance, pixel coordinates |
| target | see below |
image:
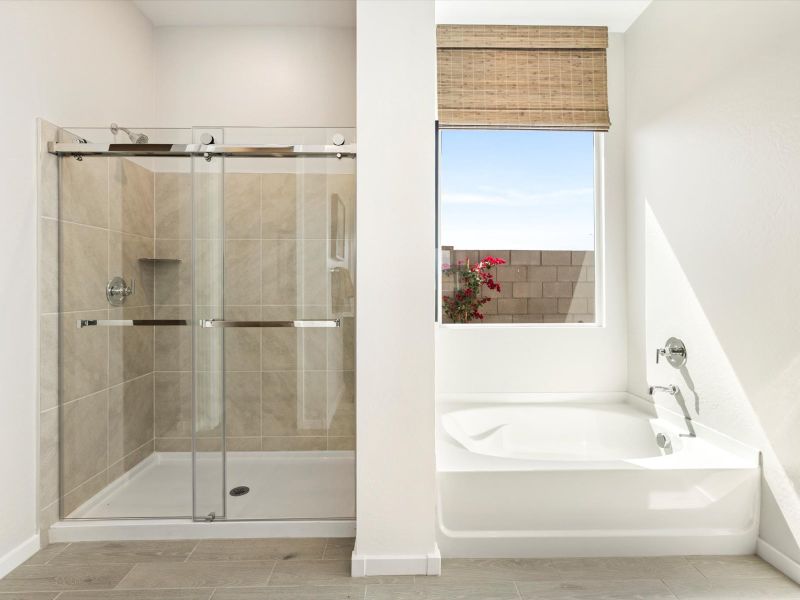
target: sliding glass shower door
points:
(205, 324)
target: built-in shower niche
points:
(164, 419)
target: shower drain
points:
(240, 490)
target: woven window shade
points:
(498, 76)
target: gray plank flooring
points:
(319, 569)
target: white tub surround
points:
(583, 475)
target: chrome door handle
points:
(300, 323)
(129, 322)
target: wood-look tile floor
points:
(319, 569)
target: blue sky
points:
(520, 190)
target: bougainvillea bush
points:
(464, 305)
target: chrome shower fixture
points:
(136, 138)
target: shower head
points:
(136, 138)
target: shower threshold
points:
(292, 494)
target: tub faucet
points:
(670, 389)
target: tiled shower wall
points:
(286, 389)
(102, 227)
(536, 286)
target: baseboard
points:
(14, 558)
(778, 559)
(363, 565)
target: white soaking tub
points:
(577, 475)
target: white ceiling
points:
(617, 15)
(203, 13)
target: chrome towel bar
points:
(203, 150)
(298, 323)
(129, 322)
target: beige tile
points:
(280, 346)
(482, 570)
(422, 591)
(58, 578)
(315, 271)
(243, 404)
(557, 289)
(279, 272)
(173, 404)
(124, 252)
(641, 589)
(316, 592)
(510, 273)
(45, 555)
(316, 206)
(85, 553)
(84, 191)
(48, 265)
(173, 280)
(314, 344)
(339, 548)
(29, 596)
(242, 205)
(341, 443)
(48, 361)
(259, 549)
(293, 443)
(243, 344)
(172, 346)
(556, 257)
(208, 273)
(130, 349)
(733, 566)
(85, 428)
(173, 444)
(242, 278)
(48, 457)
(341, 345)
(84, 267)
(47, 517)
(75, 498)
(572, 305)
(243, 444)
(130, 460)
(734, 588)
(173, 205)
(131, 199)
(541, 305)
(279, 206)
(657, 567)
(571, 274)
(313, 403)
(279, 403)
(164, 594)
(130, 416)
(198, 574)
(341, 413)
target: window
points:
(527, 200)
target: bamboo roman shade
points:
(510, 76)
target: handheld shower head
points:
(136, 138)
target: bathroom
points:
(399, 298)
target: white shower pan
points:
(292, 494)
(578, 475)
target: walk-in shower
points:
(206, 315)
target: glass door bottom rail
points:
(282, 485)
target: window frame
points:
(599, 240)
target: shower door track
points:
(207, 151)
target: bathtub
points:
(588, 475)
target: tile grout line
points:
(191, 552)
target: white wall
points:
(556, 358)
(72, 63)
(255, 76)
(394, 333)
(714, 254)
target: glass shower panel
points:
(117, 387)
(289, 255)
(209, 358)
